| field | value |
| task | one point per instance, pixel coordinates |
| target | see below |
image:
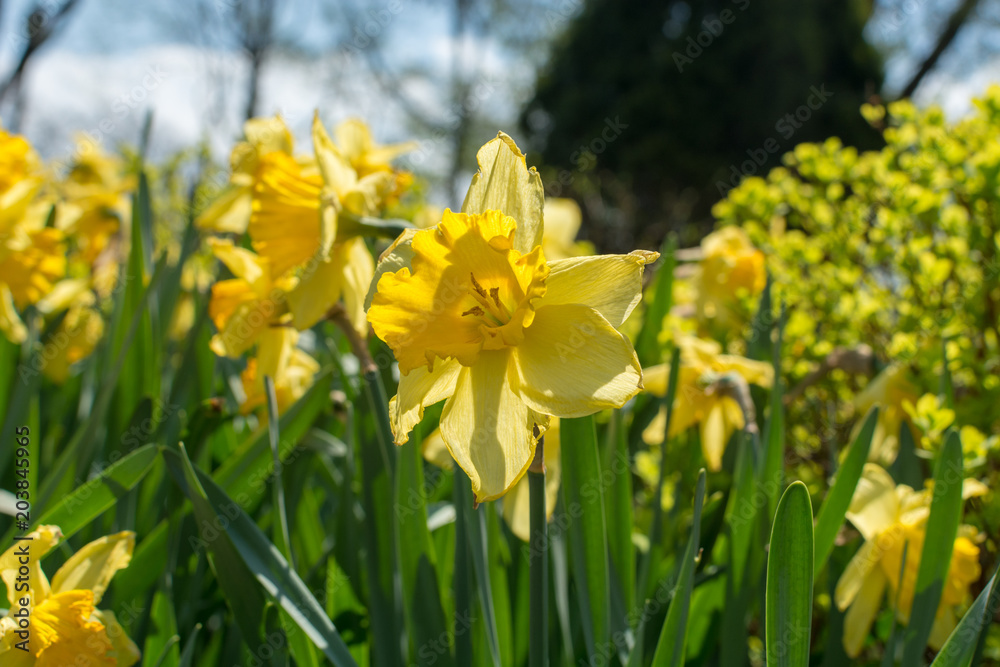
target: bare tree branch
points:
(955, 23)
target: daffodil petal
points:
(395, 257)
(487, 428)
(612, 284)
(10, 322)
(572, 363)
(655, 379)
(505, 183)
(92, 567)
(228, 213)
(337, 172)
(316, 292)
(123, 649)
(855, 574)
(714, 435)
(268, 135)
(875, 505)
(435, 451)
(243, 263)
(359, 269)
(418, 389)
(859, 618)
(32, 550)
(517, 503)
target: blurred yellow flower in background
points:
(245, 306)
(366, 157)
(562, 224)
(290, 367)
(478, 318)
(66, 628)
(706, 395)
(230, 211)
(888, 517)
(890, 390)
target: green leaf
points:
(619, 512)
(163, 639)
(772, 474)
(673, 636)
(939, 542)
(98, 495)
(790, 580)
(476, 532)
(417, 562)
(961, 645)
(647, 345)
(741, 579)
(271, 571)
(838, 499)
(583, 494)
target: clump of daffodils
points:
(890, 517)
(305, 216)
(478, 316)
(64, 625)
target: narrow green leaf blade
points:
(790, 580)
(838, 500)
(96, 496)
(673, 636)
(939, 542)
(583, 494)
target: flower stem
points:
(538, 643)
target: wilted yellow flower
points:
(245, 306)
(291, 369)
(477, 317)
(705, 395)
(562, 224)
(230, 212)
(66, 628)
(890, 390)
(888, 517)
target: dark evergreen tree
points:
(677, 100)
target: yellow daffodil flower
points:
(230, 211)
(366, 157)
(478, 318)
(20, 179)
(298, 224)
(247, 305)
(66, 628)
(94, 200)
(702, 397)
(888, 517)
(730, 266)
(291, 369)
(562, 224)
(890, 390)
(516, 504)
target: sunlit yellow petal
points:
(517, 503)
(29, 553)
(504, 183)
(435, 450)
(612, 284)
(10, 322)
(486, 427)
(123, 649)
(418, 389)
(229, 212)
(572, 363)
(859, 618)
(855, 574)
(714, 435)
(92, 567)
(359, 269)
(875, 505)
(66, 632)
